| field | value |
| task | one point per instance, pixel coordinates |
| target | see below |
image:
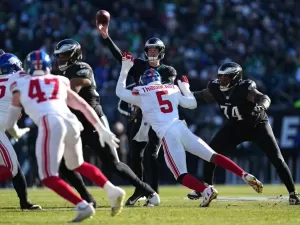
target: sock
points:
(108, 186)
(92, 173)
(125, 172)
(60, 187)
(208, 172)
(227, 164)
(5, 174)
(76, 181)
(192, 183)
(20, 185)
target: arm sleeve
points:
(131, 97)
(117, 53)
(188, 102)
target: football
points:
(102, 17)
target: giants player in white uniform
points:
(45, 99)
(159, 104)
(10, 70)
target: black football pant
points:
(144, 155)
(234, 133)
(110, 160)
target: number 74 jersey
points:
(43, 95)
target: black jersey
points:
(89, 94)
(234, 103)
(167, 73)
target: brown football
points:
(102, 17)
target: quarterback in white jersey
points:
(10, 70)
(159, 104)
(45, 98)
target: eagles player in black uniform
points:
(82, 81)
(245, 108)
(154, 52)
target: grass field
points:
(174, 209)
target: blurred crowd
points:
(260, 35)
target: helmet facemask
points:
(229, 76)
(154, 43)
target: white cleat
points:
(117, 200)
(209, 194)
(253, 182)
(153, 200)
(84, 211)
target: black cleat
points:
(194, 195)
(294, 199)
(134, 198)
(29, 206)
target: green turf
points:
(174, 209)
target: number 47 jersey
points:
(43, 95)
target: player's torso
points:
(83, 70)
(140, 66)
(5, 94)
(42, 95)
(233, 103)
(159, 104)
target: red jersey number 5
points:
(166, 105)
(2, 87)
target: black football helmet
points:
(67, 51)
(229, 75)
(156, 43)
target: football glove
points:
(106, 136)
(127, 62)
(184, 86)
(17, 132)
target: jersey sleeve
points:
(80, 71)
(65, 81)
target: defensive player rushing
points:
(245, 108)
(10, 66)
(82, 81)
(45, 98)
(154, 52)
(159, 104)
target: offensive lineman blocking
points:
(159, 104)
(45, 99)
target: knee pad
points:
(180, 178)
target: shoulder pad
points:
(250, 84)
(172, 70)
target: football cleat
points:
(27, 205)
(194, 195)
(294, 199)
(134, 198)
(117, 200)
(253, 182)
(153, 200)
(84, 211)
(209, 194)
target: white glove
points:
(127, 63)
(184, 86)
(106, 136)
(17, 132)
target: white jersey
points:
(5, 94)
(44, 95)
(159, 104)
